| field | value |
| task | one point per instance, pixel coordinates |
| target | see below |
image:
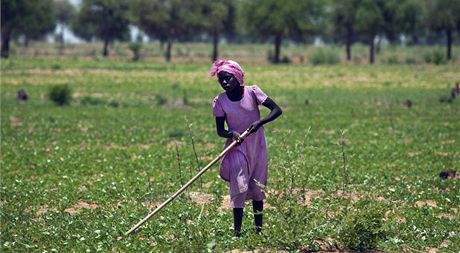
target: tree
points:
(410, 19)
(344, 20)
(278, 19)
(370, 22)
(40, 23)
(165, 19)
(217, 17)
(65, 12)
(391, 28)
(444, 16)
(106, 20)
(32, 19)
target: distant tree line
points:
(342, 22)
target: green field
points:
(350, 165)
(245, 53)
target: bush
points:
(13, 51)
(87, 100)
(410, 60)
(285, 59)
(445, 99)
(60, 94)
(362, 230)
(393, 59)
(135, 48)
(322, 56)
(185, 98)
(56, 66)
(114, 103)
(160, 100)
(270, 56)
(176, 133)
(435, 56)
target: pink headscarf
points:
(229, 66)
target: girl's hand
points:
(255, 126)
(236, 136)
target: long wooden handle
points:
(182, 189)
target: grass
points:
(76, 178)
(245, 53)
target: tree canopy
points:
(107, 20)
(444, 17)
(65, 12)
(164, 19)
(343, 19)
(410, 18)
(277, 19)
(216, 18)
(31, 19)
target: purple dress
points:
(248, 161)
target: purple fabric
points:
(229, 66)
(248, 161)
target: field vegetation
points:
(354, 160)
(245, 52)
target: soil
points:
(427, 202)
(200, 197)
(79, 206)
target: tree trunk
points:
(414, 40)
(348, 51)
(449, 44)
(349, 42)
(169, 47)
(105, 51)
(62, 38)
(371, 49)
(377, 48)
(5, 43)
(276, 57)
(348, 46)
(215, 43)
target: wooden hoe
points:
(182, 189)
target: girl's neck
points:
(236, 94)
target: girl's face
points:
(227, 81)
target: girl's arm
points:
(220, 121)
(275, 112)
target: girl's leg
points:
(237, 220)
(238, 186)
(258, 207)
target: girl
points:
(245, 166)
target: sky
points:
(69, 37)
(75, 2)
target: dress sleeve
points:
(259, 94)
(217, 108)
